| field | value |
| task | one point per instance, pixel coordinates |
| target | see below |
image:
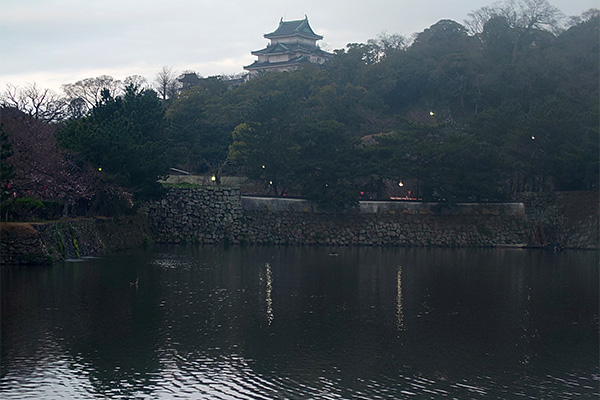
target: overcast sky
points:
(52, 42)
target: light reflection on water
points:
(263, 323)
(399, 312)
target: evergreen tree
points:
(124, 138)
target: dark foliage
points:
(123, 137)
(460, 114)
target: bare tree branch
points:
(521, 15)
(166, 82)
(90, 89)
(42, 104)
(137, 81)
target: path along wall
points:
(214, 214)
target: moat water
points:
(303, 323)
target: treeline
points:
(507, 102)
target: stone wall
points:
(48, 242)
(21, 244)
(214, 214)
(389, 229)
(278, 204)
(570, 219)
(208, 215)
(220, 215)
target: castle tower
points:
(292, 44)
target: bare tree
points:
(584, 17)
(385, 44)
(522, 16)
(90, 89)
(41, 169)
(540, 14)
(137, 81)
(166, 82)
(42, 104)
(475, 24)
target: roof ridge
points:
(300, 25)
(294, 27)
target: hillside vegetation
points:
(478, 112)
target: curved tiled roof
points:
(281, 48)
(296, 40)
(267, 65)
(299, 58)
(293, 28)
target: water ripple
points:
(244, 326)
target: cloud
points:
(49, 41)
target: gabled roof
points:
(293, 28)
(281, 48)
(267, 65)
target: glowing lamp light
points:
(431, 113)
(213, 178)
(263, 167)
(400, 184)
(270, 182)
(532, 137)
(100, 169)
